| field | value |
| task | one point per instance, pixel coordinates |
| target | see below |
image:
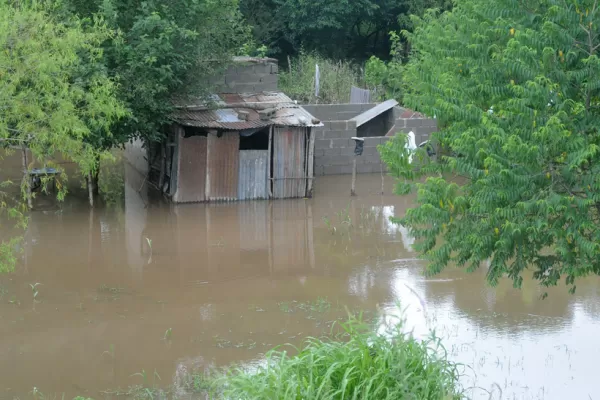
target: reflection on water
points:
(230, 281)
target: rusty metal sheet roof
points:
(218, 119)
(294, 115)
(287, 113)
(409, 114)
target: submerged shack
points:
(238, 147)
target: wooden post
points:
(382, 179)
(26, 177)
(269, 161)
(353, 190)
(311, 161)
(210, 139)
(270, 237)
(358, 150)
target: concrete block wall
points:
(422, 128)
(337, 112)
(334, 150)
(249, 77)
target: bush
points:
(386, 77)
(358, 364)
(336, 79)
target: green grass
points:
(336, 79)
(355, 364)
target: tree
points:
(46, 107)
(515, 87)
(163, 50)
(340, 29)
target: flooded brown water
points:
(145, 286)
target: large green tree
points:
(47, 106)
(162, 50)
(340, 29)
(515, 86)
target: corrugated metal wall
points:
(289, 162)
(191, 180)
(253, 175)
(223, 166)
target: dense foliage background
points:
(515, 88)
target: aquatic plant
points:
(330, 227)
(355, 364)
(34, 290)
(344, 216)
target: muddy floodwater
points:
(100, 299)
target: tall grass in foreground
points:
(357, 364)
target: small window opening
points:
(194, 131)
(258, 140)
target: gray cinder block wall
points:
(422, 127)
(249, 75)
(334, 148)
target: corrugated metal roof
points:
(294, 115)
(287, 112)
(226, 118)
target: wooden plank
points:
(289, 160)
(311, 161)
(374, 112)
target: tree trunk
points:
(90, 184)
(26, 177)
(96, 177)
(163, 164)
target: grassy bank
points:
(356, 364)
